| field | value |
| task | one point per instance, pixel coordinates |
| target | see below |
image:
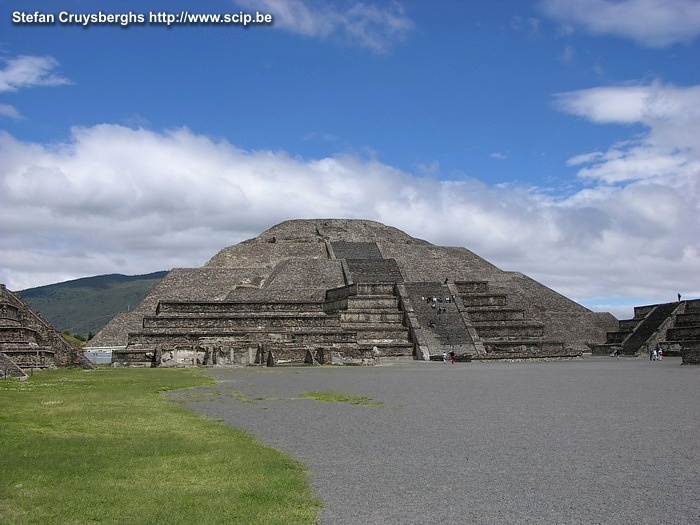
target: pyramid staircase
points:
(651, 326)
(372, 311)
(440, 318)
(370, 305)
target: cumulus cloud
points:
(371, 26)
(650, 23)
(133, 200)
(30, 71)
(667, 154)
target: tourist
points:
(444, 357)
(659, 353)
(452, 357)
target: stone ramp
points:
(374, 271)
(356, 250)
(647, 327)
(374, 312)
(441, 324)
(664, 325)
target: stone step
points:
(15, 348)
(374, 289)
(604, 349)
(616, 337)
(687, 319)
(479, 315)
(377, 315)
(468, 287)
(231, 337)
(374, 270)
(471, 300)
(509, 331)
(683, 333)
(519, 349)
(388, 348)
(369, 302)
(193, 307)
(393, 332)
(244, 322)
(356, 250)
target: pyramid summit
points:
(347, 291)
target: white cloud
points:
(116, 199)
(668, 153)
(650, 23)
(30, 71)
(10, 112)
(373, 26)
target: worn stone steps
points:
(232, 307)
(243, 321)
(494, 314)
(509, 330)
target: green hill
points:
(85, 306)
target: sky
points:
(554, 138)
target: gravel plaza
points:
(594, 440)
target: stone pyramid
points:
(28, 342)
(347, 291)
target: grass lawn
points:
(104, 446)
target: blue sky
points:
(555, 138)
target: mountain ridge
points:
(84, 306)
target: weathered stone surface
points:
(27, 341)
(347, 291)
(674, 328)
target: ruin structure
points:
(672, 327)
(28, 342)
(341, 291)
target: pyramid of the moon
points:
(28, 342)
(347, 291)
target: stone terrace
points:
(27, 341)
(348, 291)
(672, 327)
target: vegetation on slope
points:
(85, 306)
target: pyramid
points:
(28, 342)
(347, 291)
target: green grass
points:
(341, 397)
(105, 447)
